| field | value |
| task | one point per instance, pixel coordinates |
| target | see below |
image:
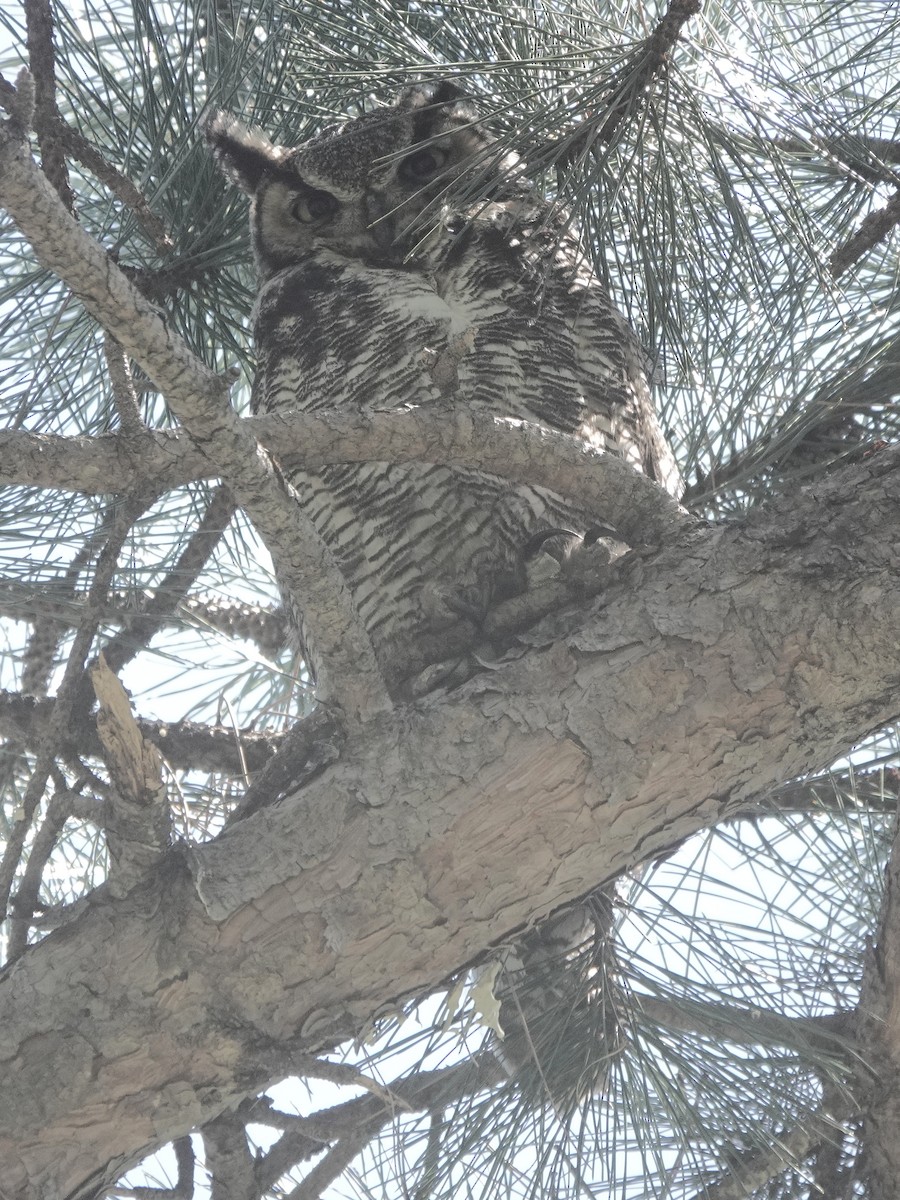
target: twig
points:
(623, 92)
(311, 1067)
(648, 62)
(348, 670)
(875, 228)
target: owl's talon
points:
(585, 568)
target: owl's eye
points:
(314, 206)
(423, 164)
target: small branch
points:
(141, 627)
(876, 228)
(266, 625)
(818, 434)
(42, 63)
(649, 61)
(863, 790)
(123, 389)
(751, 1170)
(867, 159)
(879, 1039)
(745, 1026)
(184, 1159)
(312, 744)
(431, 1158)
(78, 147)
(363, 1117)
(25, 903)
(328, 1168)
(231, 1165)
(349, 674)
(185, 745)
(623, 93)
(47, 631)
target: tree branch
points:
(880, 1040)
(55, 602)
(42, 63)
(751, 1170)
(187, 745)
(350, 676)
(602, 484)
(877, 227)
(740, 657)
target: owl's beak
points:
(382, 225)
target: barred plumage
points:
(403, 260)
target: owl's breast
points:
(332, 332)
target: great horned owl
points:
(404, 260)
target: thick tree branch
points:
(602, 484)
(740, 657)
(348, 669)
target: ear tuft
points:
(243, 154)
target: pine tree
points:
(214, 885)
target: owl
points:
(404, 260)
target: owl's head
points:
(371, 188)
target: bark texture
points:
(739, 657)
